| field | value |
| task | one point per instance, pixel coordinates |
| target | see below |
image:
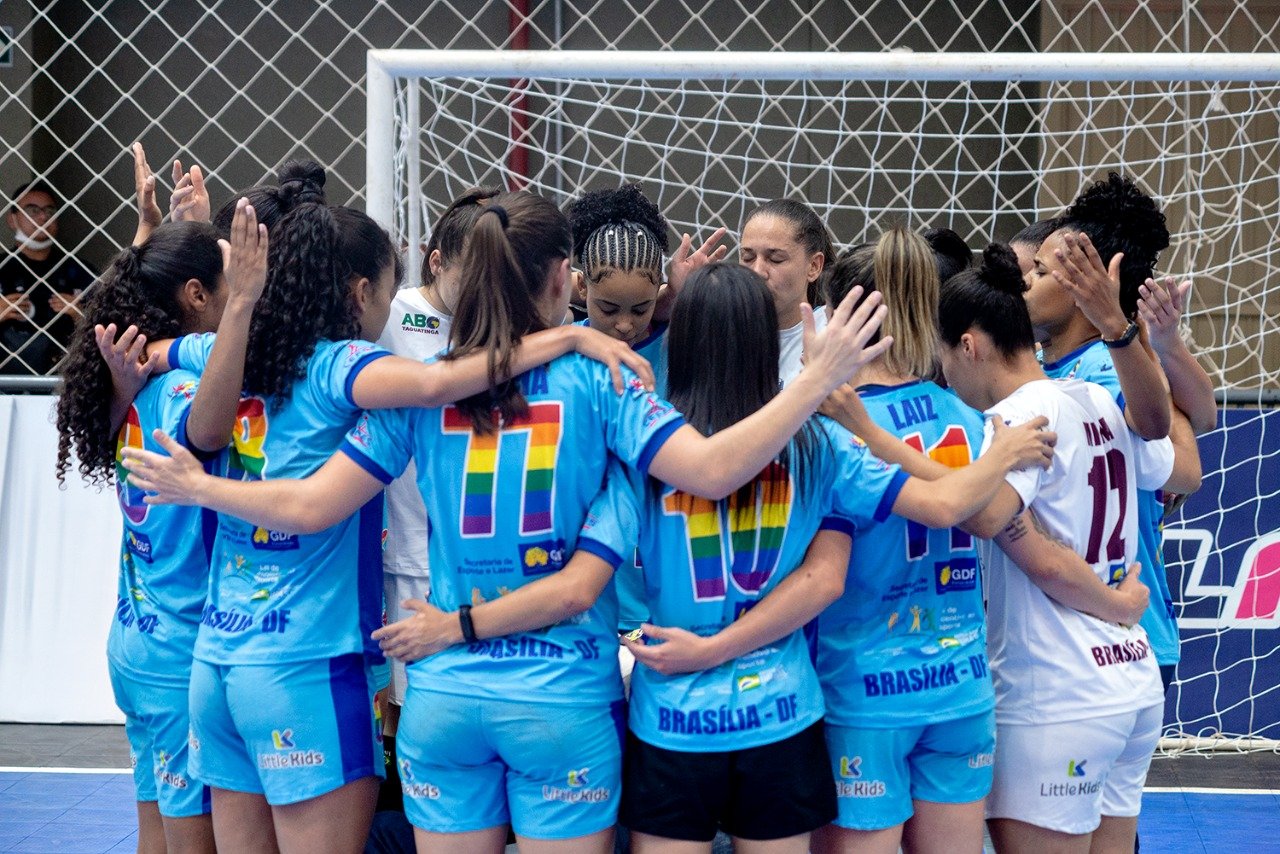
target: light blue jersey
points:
(505, 509)
(906, 643)
(706, 562)
(1093, 363)
(164, 556)
(274, 596)
(632, 610)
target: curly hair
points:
(504, 270)
(1119, 216)
(298, 182)
(141, 288)
(811, 233)
(314, 253)
(618, 230)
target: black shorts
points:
(769, 792)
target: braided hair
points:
(618, 230)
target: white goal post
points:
(983, 143)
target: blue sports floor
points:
(91, 810)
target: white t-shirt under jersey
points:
(414, 330)
(791, 346)
(1052, 664)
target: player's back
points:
(164, 556)
(505, 509)
(1050, 662)
(906, 642)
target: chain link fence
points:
(239, 87)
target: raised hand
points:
(685, 261)
(172, 479)
(1160, 305)
(144, 188)
(190, 199)
(840, 350)
(126, 358)
(1094, 286)
(613, 353)
(15, 307)
(244, 256)
(1028, 445)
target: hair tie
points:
(501, 212)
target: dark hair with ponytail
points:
(298, 182)
(450, 234)
(314, 254)
(513, 245)
(989, 297)
(811, 233)
(723, 352)
(140, 288)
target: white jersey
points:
(791, 347)
(418, 331)
(1050, 663)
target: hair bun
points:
(1000, 270)
(301, 181)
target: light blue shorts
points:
(550, 771)
(155, 722)
(879, 772)
(291, 732)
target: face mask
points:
(26, 241)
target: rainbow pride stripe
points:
(756, 532)
(952, 450)
(479, 480)
(129, 496)
(248, 459)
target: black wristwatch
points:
(464, 619)
(1126, 337)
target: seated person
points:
(39, 285)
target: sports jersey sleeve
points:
(345, 360)
(1154, 461)
(380, 442)
(180, 390)
(637, 422)
(191, 352)
(1027, 481)
(612, 526)
(865, 486)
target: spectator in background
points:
(40, 285)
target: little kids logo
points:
(286, 756)
(412, 788)
(851, 784)
(1075, 768)
(577, 790)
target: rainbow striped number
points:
(480, 479)
(953, 451)
(756, 529)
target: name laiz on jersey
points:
(914, 410)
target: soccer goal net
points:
(980, 143)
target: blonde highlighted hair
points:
(901, 265)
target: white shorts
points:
(1066, 776)
(397, 587)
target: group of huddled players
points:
(840, 584)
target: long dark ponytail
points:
(140, 288)
(512, 247)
